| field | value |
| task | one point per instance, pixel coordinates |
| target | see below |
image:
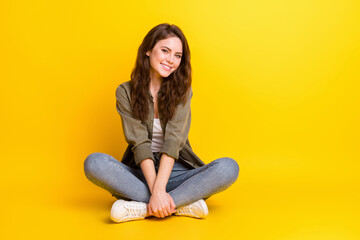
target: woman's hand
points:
(161, 204)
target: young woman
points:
(159, 173)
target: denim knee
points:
(228, 168)
(92, 163)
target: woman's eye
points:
(164, 50)
(178, 56)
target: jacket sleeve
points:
(177, 129)
(135, 132)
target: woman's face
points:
(165, 57)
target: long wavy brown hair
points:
(174, 88)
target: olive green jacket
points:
(138, 134)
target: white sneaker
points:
(122, 211)
(196, 209)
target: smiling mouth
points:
(166, 67)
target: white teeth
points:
(166, 67)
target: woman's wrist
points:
(148, 169)
(158, 187)
(166, 165)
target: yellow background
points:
(276, 87)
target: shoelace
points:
(134, 210)
(187, 210)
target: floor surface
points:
(280, 207)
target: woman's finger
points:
(170, 207)
(167, 211)
(172, 204)
(161, 214)
(156, 214)
(150, 211)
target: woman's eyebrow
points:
(170, 49)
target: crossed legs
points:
(185, 185)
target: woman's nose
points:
(170, 58)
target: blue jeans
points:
(185, 185)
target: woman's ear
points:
(147, 53)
